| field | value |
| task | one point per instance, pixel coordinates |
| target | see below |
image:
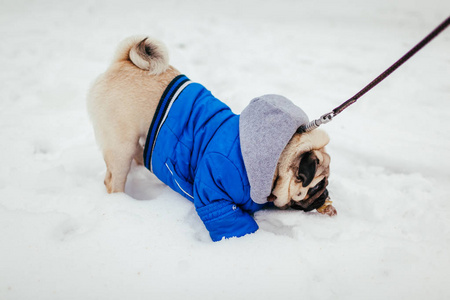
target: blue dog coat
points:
(201, 149)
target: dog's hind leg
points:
(139, 155)
(118, 163)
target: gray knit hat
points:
(265, 127)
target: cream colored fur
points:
(121, 104)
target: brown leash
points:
(329, 116)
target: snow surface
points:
(63, 237)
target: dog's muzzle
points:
(317, 196)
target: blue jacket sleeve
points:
(219, 196)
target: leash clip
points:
(316, 123)
(324, 119)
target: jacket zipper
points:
(178, 183)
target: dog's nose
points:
(271, 198)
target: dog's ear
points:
(307, 168)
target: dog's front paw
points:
(327, 209)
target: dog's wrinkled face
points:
(302, 172)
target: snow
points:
(63, 237)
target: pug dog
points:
(228, 165)
(301, 177)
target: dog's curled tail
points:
(146, 53)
